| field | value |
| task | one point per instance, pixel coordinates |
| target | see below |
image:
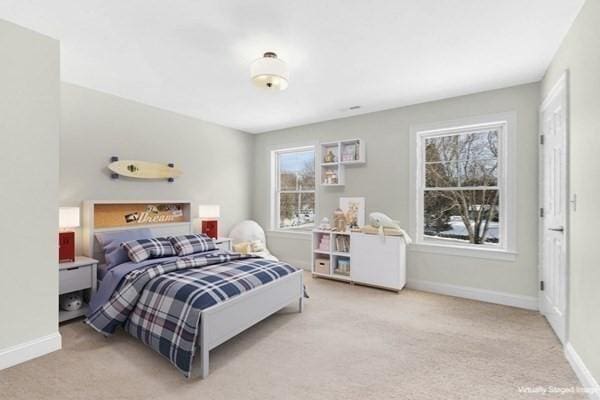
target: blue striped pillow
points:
(143, 249)
(190, 244)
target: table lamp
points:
(209, 213)
(68, 217)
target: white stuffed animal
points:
(251, 233)
(381, 221)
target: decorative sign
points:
(119, 215)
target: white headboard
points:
(163, 218)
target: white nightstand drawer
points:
(75, 279)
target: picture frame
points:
(354, 210)
(349, 152)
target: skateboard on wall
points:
(143, 170)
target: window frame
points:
(276, 193)
(505, 123)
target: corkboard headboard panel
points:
(164, 218)
(119, 215)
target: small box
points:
(66, 247)
(322, 266)
(211, 228)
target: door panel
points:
(377, 260)
(554, 192)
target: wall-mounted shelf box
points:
(335, 156)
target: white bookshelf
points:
(333, 254)
(373, 260)
(336, 156)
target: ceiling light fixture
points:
(269, 72)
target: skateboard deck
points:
(144, 169)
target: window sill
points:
(300, 235)
(462, 251)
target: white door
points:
(554, 200)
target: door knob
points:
(559, 229)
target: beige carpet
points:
(351, 342)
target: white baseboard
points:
(489, 296)
(26, 351)
(584, 374)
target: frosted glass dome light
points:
(270, 72)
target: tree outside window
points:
(461, 194)
(295, 189)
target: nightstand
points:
(75, 276)
(223, 243)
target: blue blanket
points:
(113, 277)
(162, 304)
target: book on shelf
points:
(342, 244)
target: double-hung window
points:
(463, 182)
(294, 189)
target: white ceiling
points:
(193, 56)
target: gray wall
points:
(580, 54)
(385, 182)
(95, 126)
(29, 122)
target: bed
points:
(182, 307)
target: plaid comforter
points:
(162, 305)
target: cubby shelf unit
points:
(335, 156)
(366, 259)
(331, 255)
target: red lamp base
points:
(66, 247)
(211, 228)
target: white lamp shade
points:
(270, 73)
(68, 217)
(209, 211)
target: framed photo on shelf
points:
(354, 210)
(350, 152)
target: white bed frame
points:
(222, 321)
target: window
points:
(294, 184)
(463, 196)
